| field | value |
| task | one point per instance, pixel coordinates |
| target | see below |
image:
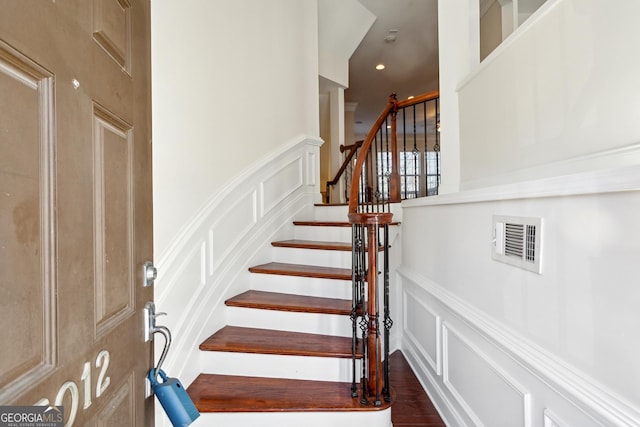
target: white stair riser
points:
(279, 366)
(295, 419)
(311, 286)
(312, 323)
(331, 213)
(323, 234)
(324, 258)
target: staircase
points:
(284, 357)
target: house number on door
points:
(102, 362)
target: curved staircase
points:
(284, 357)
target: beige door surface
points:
(75, 207)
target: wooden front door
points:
(75, 207)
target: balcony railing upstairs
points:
(387, 169)
(416, 154)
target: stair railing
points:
(382, 175)
(352, 151)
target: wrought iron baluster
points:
(404, 150)
(426, 150)
(388, 323)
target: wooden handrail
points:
(418, 99)
(353, 148)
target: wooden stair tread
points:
(323, 223)
(312, 244)
(316, 223)
(287, 302)
(285, 269)
(266, 341)
(228, 393)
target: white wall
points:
(342, 24)
(559, 341)
(459, 51)
(564, 85)
(232, 82)
(495, 345)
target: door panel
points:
(26, 212)
(75, 207)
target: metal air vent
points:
(517, 241)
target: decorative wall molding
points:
(511, 390)
(602, 180)
(591, 401)
(219, 198)
(208, 262)
(434, 360)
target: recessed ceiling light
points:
(410, 97)
(380, 67)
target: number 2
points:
(103, 383)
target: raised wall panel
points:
(423, 327)
(112, 29)
(27, 223)
(280, 185)
(190, 274)
(478, 384)
(232, 226)
(113, 192)
(312, 173)
(550, 420)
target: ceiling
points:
(411, 60)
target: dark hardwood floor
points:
(412, 406)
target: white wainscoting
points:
(207, 263)
(480, 373)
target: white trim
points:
(436, 365)
(592, 397)
(610, 180)
(448, 329)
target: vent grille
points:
(513, 239)
(517, 241)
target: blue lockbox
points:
(174, 399)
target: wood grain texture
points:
(310, 244)
(322, 223)
(330, 223)
(412, 406)
(226, 393)
(285, 269)
(286, 302)
(222, 393)
(265, 341)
